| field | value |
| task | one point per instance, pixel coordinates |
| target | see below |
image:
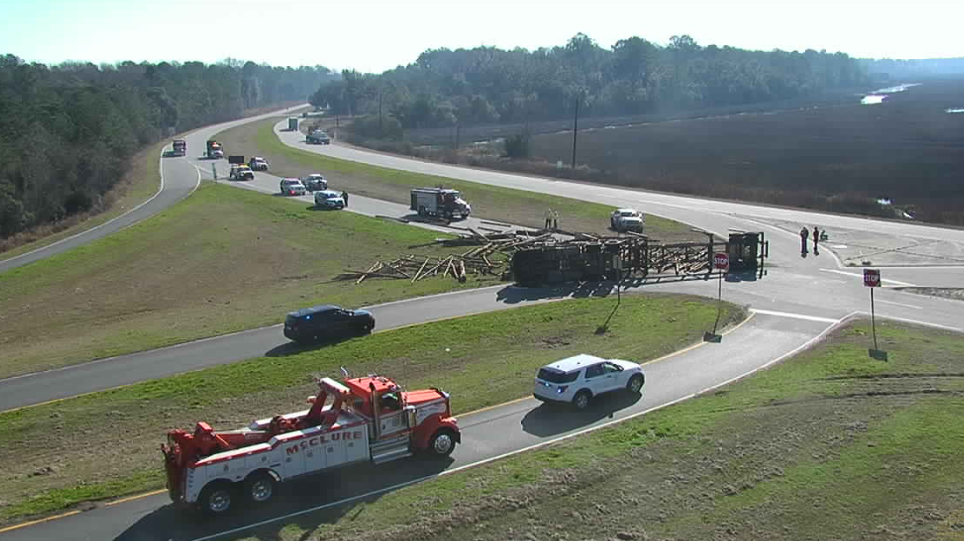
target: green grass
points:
(814, 448)
(488, 202)
(491, 359)
(137, 186)
(223, 260)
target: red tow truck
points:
(360, 419)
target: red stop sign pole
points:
(872, 280)
(721, 262)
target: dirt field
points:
(828, 445)
(906, 148)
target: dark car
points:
(327, 322)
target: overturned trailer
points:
(613, 258)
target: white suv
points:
(578, 379)
(627, 220)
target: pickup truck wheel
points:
(216, 498)
(259, 487)
(635, 384)
(582, 399)
(442, 443)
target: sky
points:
(373, 36)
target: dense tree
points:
(67, 132)
(444, 87)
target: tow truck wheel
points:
(259, 488)
(442, 444)
(216, 498)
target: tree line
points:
(68, 132)
(485, 85)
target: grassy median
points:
(223, 260)
(105, 444)
(488, 202)
(830, 444)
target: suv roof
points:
(574, 363)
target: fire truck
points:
(360, 419)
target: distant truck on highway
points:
(440, 203)
(214, 150)
(180, 147)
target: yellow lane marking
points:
(135, 497)
(35, 522)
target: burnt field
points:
(837, 158)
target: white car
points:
(328, 199)
(577, 380)
(627, 220)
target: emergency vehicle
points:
(360, 419)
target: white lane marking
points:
(808, 343)
(898, 282)
(160, 166)
(794, 316)
(900, 304)
(918, 322)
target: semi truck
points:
(179, 147)
(214, 150)
(440, 203)
(360, 419)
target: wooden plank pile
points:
(490, 255)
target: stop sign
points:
(721, 261)
(871, 277)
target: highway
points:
(178, 179)
(797, 301)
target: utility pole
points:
(575, 130)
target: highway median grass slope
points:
(830, 444)
(489, 202)
(105, 444)
(223, 260)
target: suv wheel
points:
(582, 399)
(635, 384)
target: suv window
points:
(555, 376)
(593, 371)
(610, 368)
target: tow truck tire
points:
(635, 384)
(216, 498)
(259, 487)
(442, 443)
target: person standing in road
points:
(816, 237)
(555, 220)
(344, 197)
(548, 219)
(804, 233)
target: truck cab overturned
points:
(360, 419)
(440, 203)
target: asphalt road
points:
(486, 435)
(178, 179)
(798, 299)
